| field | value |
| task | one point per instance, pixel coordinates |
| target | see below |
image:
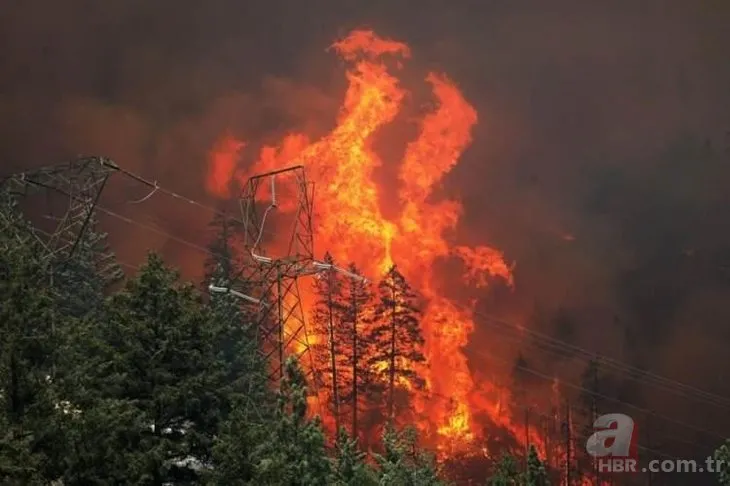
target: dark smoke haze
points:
(600, 163)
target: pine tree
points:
(536, 475)
(236, 327)
(506, 473)
(152, 367)
(31, 443)
(358, 299)
(19, 462)
(592, 381)
(521, 381)
(234, 446)
(244, 375)
(722, 470)
(294, 452)
(402, 464)
(349, 465)
(396, 335)
(327, 319)
(82, 280)
(224, 262)
(588, 399)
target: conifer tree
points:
(327, 319)
(536, 475)
(396, 335)
(237, 339)
(402, 464)
(224, 260)
(243, 369)
(589, 399)
(81, 280)
(30, 443)
(723, 468)
(294, 452)
(506, 472)
(154, 363)
(358, 307)
(521, 381)
(349, 465)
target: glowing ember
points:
(352, 227)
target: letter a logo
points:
(612, 436)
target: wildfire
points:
(352, 227)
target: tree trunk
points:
(392, 359)
(355, 317)
(333, 359)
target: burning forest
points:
(415, 245)
(427, 367)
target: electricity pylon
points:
(278, 253)
(71, 192)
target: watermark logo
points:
(613, 443)
(614, 447)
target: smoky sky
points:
(599, 163)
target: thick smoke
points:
(600, 162)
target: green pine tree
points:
(237, 446)
(349, 466)
(153, 363)
(244, 376)
(294, 452)
(402, 464)
(723, 471)
(506, 472)
(536, 474)
(31, 443)
(82, 279)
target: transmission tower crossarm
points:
(235, 293)
(81, 181)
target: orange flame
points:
(223, 159)
(352, 227)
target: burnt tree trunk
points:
(355, 317)
(333, 360)
(391, 387)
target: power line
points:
(156, 187)
(615, 400)
(155, 230)
(650, 413)
(564, 352)
(635, 374)
(605, 397)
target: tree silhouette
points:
(396, 336)
(358, 307)
(327, 319)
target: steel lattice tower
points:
(79, 184)
(269, 278)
